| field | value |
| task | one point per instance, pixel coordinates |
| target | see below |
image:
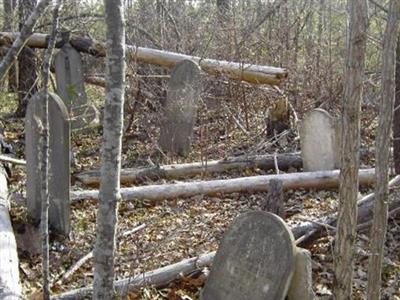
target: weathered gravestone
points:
(71, 88)
(59, 164)
(180, 109)
(255, 260)
(319, 145)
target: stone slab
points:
(71, 87)
(255, 260)
(180, 109)
(319, 141)
(301, 284)
(59, 161)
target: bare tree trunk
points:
(396, 117)
(348, 190)
(378, 231)
(111, 152)
(9, 8)
(44, 151)
(27, 64)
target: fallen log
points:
(10, 287)
(284, 161)
(154, 278)
(309, 232)
(238, 71)
(307, 180)
(11, 160)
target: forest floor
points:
(183, 228)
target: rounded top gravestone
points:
(255, 260)
(318, 141)
(180, 110)
(59, 164)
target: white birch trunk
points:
(111, 152)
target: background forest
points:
(306, 37)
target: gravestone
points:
(71, 88)
(180, 109)
(319, 146)
(301, 284)
(255, 260)
(59, 164)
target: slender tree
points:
(111, 152)
(396, 117)
(348, 190)
(379, 224)
(44, 155)
(9, 8)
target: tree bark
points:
(10, 287)
(44, 161)
(111, 152)
(307, 180)
(383, 136)
(396, 117)
(9, 9)
(247, 72)
(348, 191)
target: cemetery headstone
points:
(180, 110)
(255, 260)
(301, 284)
(319, 141)
(71, 88)
(59, 164)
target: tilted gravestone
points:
(319, 141)
(180, 109)
(71, 88)
(59, 164)
(255, 260)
